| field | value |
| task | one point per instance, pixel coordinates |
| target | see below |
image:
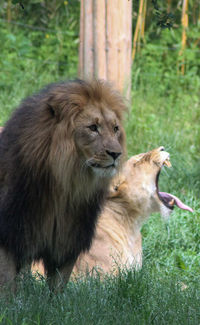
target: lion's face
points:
(88, 138)
(98, 136)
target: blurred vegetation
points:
(47, 39)
(39, 46)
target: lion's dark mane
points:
(18, 218)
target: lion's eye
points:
(116, 128)
(93, 127)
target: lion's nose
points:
(113, 154)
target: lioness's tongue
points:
(177, 201)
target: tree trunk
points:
(105, 41)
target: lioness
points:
(132, 197)
(58, 153)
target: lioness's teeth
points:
(167, 163)
(172, 202)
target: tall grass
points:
(130, 298)
(165, 111)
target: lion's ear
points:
(53, 111)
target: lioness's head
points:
(137, 185)
(90, 115)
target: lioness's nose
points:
(113, 154)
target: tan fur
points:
(132, 198)
(75, 161)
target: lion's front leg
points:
(58, 278)
(7, 269)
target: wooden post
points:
(137, 29)
(184, 21)
(86, 63)
(9, 10)
(105, 41)
(169, 4)
(100, 69)
(143, 20)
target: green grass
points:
(131, 298)
(165, 111)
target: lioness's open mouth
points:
(168, 199)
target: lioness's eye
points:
(116, 128)
(93, 127)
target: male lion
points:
(58, 153)
(132, 197)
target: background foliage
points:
(40, 45)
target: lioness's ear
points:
(136, 158)
(116, 186)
